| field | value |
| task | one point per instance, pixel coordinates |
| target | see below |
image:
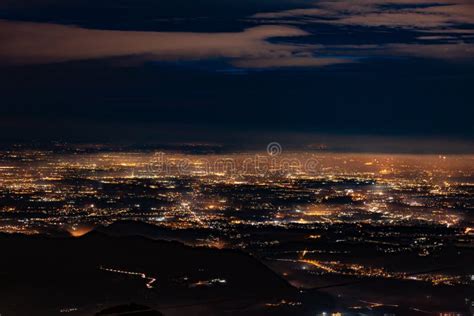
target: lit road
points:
(150, 281)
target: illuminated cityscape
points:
(319, 219)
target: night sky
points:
(239, 71)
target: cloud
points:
(431, 17)
(389, 13)
(458, 51)
(451, 52)
(291, 13)
(293, 62)
(27, 43)
(453, 17)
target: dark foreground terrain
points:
(105, 275)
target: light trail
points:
(377, 304)
(150, 280)
(319, 265)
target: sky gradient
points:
(238, 71)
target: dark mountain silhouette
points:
(129, 309)
(139, 228)
(86, 275)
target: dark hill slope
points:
(48, 276)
